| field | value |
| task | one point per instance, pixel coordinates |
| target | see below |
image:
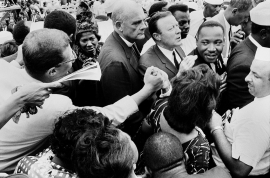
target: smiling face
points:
(210, 43)
(183, 20)
(88, 43)
(258, 78)
(169, 34)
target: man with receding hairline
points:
(242, 143)
(119, 56)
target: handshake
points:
(156, 79)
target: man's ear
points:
(263, 33)
(156, 36)
(51, 72)
(72, 37)
(234, 11)
(148, 171)
(118, 26)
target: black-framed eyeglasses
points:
(71, 60)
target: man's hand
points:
(36, 93)
(153, 79)
(187, 64)
(237, 37)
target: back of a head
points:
(101, 152)
(69, 128)
(193, 99)
(8, 48)
(157, 7)
(241, 5)
(161, 151)
(178, 7)
(61, 20)
(21, 29)
(43, 49)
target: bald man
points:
(119, 57)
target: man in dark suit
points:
(241, 57)
(119, 58)
(167, 53)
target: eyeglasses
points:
(71, 60)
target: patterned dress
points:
(197, 149)
(41, 166)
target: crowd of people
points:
(184, 90)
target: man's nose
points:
(211, 47)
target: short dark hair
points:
(8, 48)
(162, 150)
(20, 31)
(157, 7)
(153, 21)
(61, 20)
(43, 49)
(209, 23)
(178, 7)
(69, 128)
(255, 28)
(193, 99)
(241, 5)
(101, 152)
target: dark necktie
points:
(176, 63)
(230, 33)
(135, 50)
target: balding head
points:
(162, 151)
(129, 20)
(44, 49)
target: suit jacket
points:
(154, 57)
(219, 64)
(220, 69)
(238, 67)
(120, 77)
(220, 18)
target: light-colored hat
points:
(262, 54)
(214, 2)
(261, 14)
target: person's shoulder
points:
(213, 173)
(241, 55)
(57, 103)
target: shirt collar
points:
(127, 42)
(254, 41)
(166, 52)
(227, 25)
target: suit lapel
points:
(130, 55)
(180, 52)
(168, 64)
